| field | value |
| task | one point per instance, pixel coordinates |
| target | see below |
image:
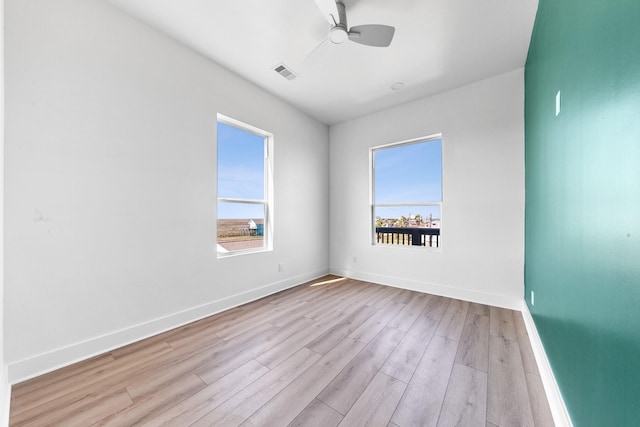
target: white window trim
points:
(372, 205)
(268, 190)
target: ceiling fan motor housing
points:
(339, 34)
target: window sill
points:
(409, 248)
(230, 254)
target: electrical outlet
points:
(533, 298)
(281, 267)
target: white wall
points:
(110, 184)
(482, 255)
(5, 388)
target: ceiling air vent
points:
(285, 72)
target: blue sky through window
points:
(230, 210)
(410, 173)
(240, 172)
(240, 163)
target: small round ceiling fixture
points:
(338, 34)
(397, 86)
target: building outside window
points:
(244, 182)
(406, 193)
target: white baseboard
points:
(471, 295)
(556, 403)
(5, 396)
(46, 362)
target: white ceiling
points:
(438, 45)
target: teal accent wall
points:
(582, 244)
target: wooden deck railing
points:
(408, 236)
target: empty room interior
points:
(320, 213)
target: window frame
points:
(373, 205)
(266, 202)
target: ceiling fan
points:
(369, 34)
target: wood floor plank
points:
(479, 309)
(502, 323)
(422, 400)
(384, 297)
(277, 335)
(405, 296)
(346, 387)
(528, 358)
(230, 317)
(152, 384)
(286, 405)
(47, 380)
(314, 293)
(473, 350)
(377, 322)
(377, 293)
(72, 392)
(213, 371)
(240, 407)
(436, 307)
(337, 298)
(377, 403)
(539, 404)
(364, 296)
(242, 326)
(507, 395)
(191, 409)
(403, 362)
(340, 301)
(286, 319)
(76, 409)
(453, 320)
(203, 336)
(216, 358)
(90, 414)
(317, 414)
(408, 315)
(465, 403)
(519, 325)
(300, 339)
(333, 336)
(145, 406)
(140, 347)
(359, 293)
(299, 292)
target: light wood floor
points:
(343, 353)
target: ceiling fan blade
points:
(314, 53)
(329, 10)
(372, 34)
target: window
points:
(406, 193)
(244, 188)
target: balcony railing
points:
(408, 236)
